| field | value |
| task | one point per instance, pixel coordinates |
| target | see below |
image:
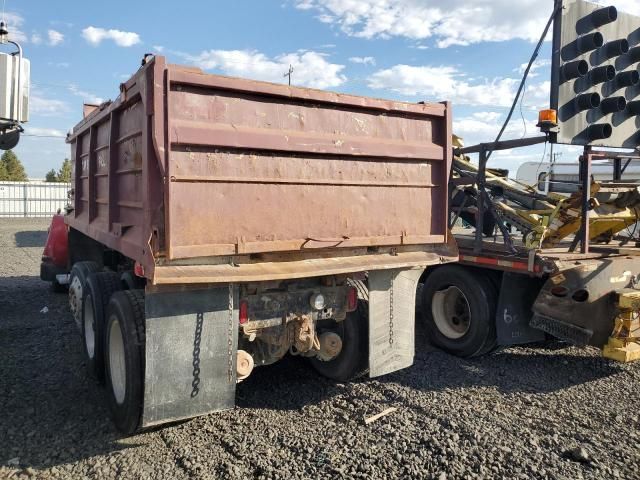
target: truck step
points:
(562, 330)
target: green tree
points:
(15, 169)
(51, 176)
(3, 172)
(64, 174)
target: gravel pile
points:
(546, 412)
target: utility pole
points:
(288, 74)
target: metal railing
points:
(32, 199)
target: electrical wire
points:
(42, 136)
(524, 123)
(533, 58)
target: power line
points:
(42, 136)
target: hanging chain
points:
(230, 334)
(391, 311)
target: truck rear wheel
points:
(459, 307)
(99, 288)
(353, 359)
(124, 358)
(77, 280)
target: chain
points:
(391, 311)
(230, 334)
(195, 384)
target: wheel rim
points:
(75, 296)
(451, 312)
(89, 322)
(117, 367)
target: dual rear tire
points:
(113, 335)
(97, 290)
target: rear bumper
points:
(289, 267)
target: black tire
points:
(491, 344)
(125, 317)
(131, 282)
(77, 280)
(99, 288)
(353, 360)
(474, 299)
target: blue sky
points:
(469, 52)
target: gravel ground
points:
(546, 412)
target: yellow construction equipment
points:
(546, 220)
(624, 342)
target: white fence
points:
(32, 199)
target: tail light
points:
(352, 299)
(138, 270)
(244, 312)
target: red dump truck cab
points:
(218, 224)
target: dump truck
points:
(217, 224)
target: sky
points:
(471, 53)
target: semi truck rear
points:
(218, 224)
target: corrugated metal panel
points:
(32, 199)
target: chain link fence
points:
(32, 199)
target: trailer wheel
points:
(124, 358)
(99, 288)
(77, 280)
(458, 308)
(353, 360)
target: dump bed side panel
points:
(256, 167)
(118, 189)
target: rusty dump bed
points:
(198, 177)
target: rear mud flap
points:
(392, 304)
(517, 294)
(191, 344)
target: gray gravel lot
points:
(546, 412)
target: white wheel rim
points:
(451, 312)
(117, 367)
(75, 297)
(89, 332)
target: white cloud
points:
(47, 132)
(95, 36)
(448, 83)
(310, 69)
(456, 22)
(14, 25)
(540, 64)
(158, 48)
(55, 37)
(46, 106)
(36, 39)
(87, 97)
(363, 60)
(484, 127)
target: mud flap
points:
(191, 344)
(517, 294)
(392, 304)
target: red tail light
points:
(352, 299)
(244, 312)
(138, 270)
